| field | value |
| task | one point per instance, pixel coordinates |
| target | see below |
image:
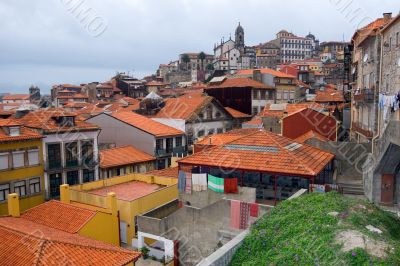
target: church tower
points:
(239, 38)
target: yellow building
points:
(21, 165)
(58, 233)
(135, 193)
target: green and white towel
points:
(216, 184)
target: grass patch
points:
(300, 232)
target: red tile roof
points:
(240, 83)
(74, 96)
(266, 152)
(272, 72)
(146, 124)
(128, 191)
(236, 114)
(167, 172)
(44, 119)
(28, 243)
(329, 95)
(289, 108)
(224, 138)
(310, 135)
(124, 155)
(25, 133)
(130, 100)
(185, 107)
(16, 97)
(58, 215)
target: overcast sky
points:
(45, 42)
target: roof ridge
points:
(42, 245)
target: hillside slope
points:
(323, 229)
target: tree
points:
(186, 60)
(210, 67)
(202, 57)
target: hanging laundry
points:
(181, 181)
(216, 184)
(188, 183)
(231, 185)
(199, 182)
(235, 214)
(253, 209)
(244, 215)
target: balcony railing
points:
(54, 165)
(161, 152)
(358, 127)
(72, 163)
(364, 95)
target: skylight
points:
(251, 148)
(293, 146)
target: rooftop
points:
(16, 97)
(224, 138)
(329, 95)
(58, 215)
(264, 151)
(123, 156)
(127, 191)
(25, 133)
(265, 71)
(310, 135)
(146, 124)
(29, 243)
(240, 83)
(279, 110)
(236, 114)
(167, 172)
(44, 119)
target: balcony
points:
(359, 128)
(161, 152)
(71, 164)
(364, 95)
(179, 151)
(53, 165)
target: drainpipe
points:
(379, 90)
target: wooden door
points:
(387, 189)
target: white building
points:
(151, 137)
(70, 148)
(294, 47)
(16, 98)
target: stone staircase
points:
(352, 188)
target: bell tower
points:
(239, 38)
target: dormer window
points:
(15, 131)
(65, 121)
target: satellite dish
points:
(365, 58)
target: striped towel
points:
(216, 184)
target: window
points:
(3, 161)
(217, 114)
(20, 188)
(200, 133)
(87, 152)
(34, 185)
(33, 157)
(220, 130)
(262, 95)
(159, 144)
(18, 159)
(170, 144)
(270, 95)
(178, 141)
(73, 178)
(211, 131)
(54, 155)
(14, 131)
(55, 183)
(4, 191)
(88, 175)
(71, 154)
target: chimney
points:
(387, 16)
(112, 203)
(64, 194)
(13, 205)
(257, 75)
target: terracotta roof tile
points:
(28, 243)
(45, 120)
(185, 107)
(272, 72)
(146, 124)
(329, 95)
(240, 83)
(25, 133)
(123, 156)
(236, 114)
(266, 152)
(58, 215)
(309, 135)
(16, 97)
(290, 108)
(167, 172)
(223, 138)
